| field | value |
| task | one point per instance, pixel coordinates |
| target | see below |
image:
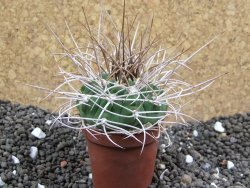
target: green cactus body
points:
(130, 120)
(117, 109)
(118, 90)
(91, 89)
(150, 91)
(96, 109)
(145, 103)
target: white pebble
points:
(37, 132)
(48, 122)
(162, 166)
(223, 134)
(218, 170)
(15, 159)
(14, 172)
(33, 152)
(189, 159)
(40, 186)
(1, 182)
(230, 164)
(224, 179)
(213, 184)
(90, 175)
(195, 133)
(218, 127)
(217, 175)
(162, 174)
(163, 146)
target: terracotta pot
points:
(114, 167)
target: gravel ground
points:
(200, 156)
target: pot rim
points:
(120, 140)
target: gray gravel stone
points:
(186, 179)
(206, 166)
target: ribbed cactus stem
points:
(127, 110)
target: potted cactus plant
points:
(124, 91)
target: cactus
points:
(127, 85)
